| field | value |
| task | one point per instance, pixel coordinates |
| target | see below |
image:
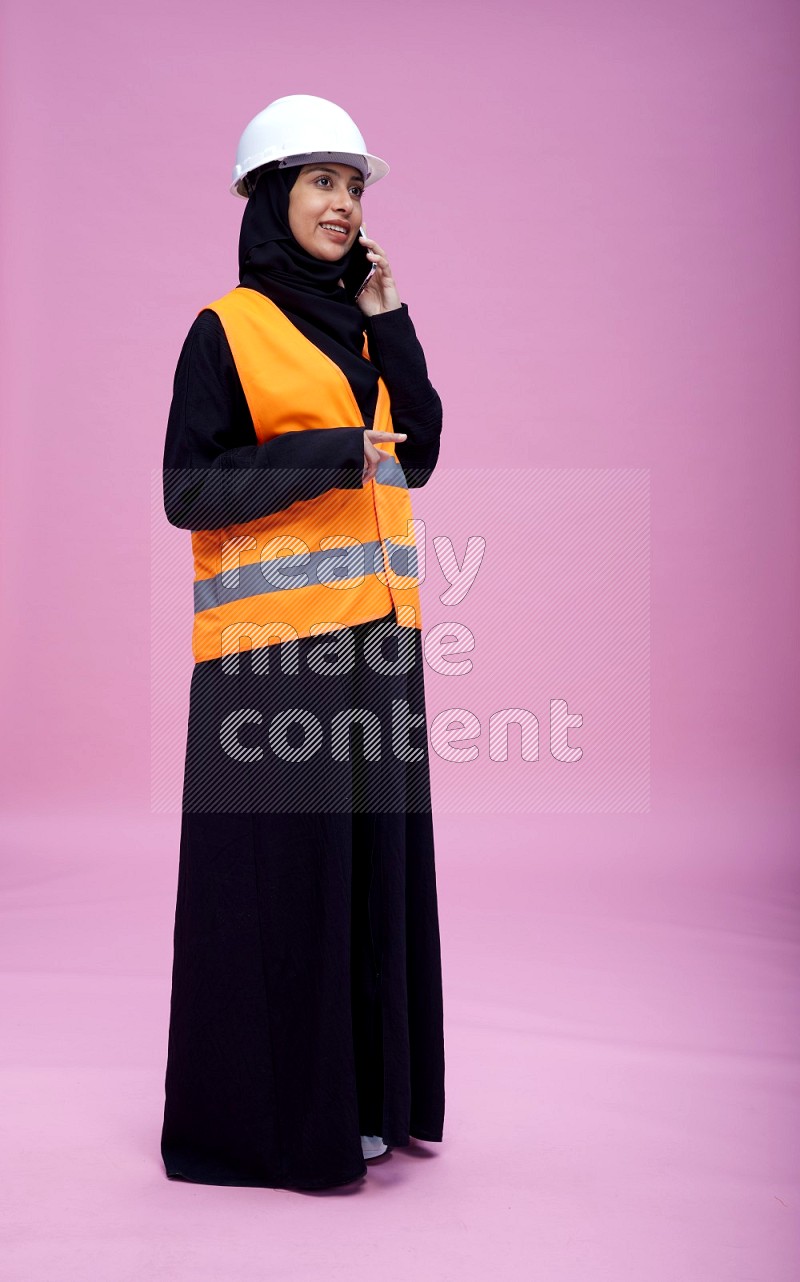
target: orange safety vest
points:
(247, 594)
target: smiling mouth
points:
(341, 232)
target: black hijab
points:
(305, 288)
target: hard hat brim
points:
(378, 168)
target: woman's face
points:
(326, 193)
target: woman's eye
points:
(358, 192)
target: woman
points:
(306, 1027)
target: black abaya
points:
(306, 1005)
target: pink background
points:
(592, 213)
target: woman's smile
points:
(340, 233)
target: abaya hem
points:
(221, 1178)
(211, 1174)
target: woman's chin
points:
(331, 257)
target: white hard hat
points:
(298, 129)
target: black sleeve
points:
(215, 472)
(416, 407)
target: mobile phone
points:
(359, 269)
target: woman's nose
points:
(344, 201)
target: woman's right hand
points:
(373, 456)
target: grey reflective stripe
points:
(390, 473)
(334, 563)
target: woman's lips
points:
(338, 235)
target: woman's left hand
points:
(380, 295)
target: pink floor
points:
(622, 1063)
